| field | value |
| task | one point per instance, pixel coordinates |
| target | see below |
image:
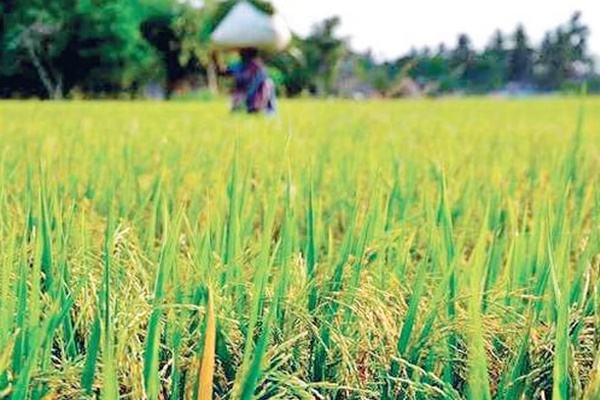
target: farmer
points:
(254, 91)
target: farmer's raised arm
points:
(220, 67)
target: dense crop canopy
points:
(427, 249)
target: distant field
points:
(381, 250)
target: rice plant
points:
(444, 249)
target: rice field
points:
(384, 250)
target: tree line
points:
(561, 62)
(111, 48)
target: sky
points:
(392, 27)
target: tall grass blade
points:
(207, 366)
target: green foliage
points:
(113, 48)
(60, 45)
(376, 251)
(561, 62)
(107, 43)
(323, 51)
(290, 72)
(562, 53)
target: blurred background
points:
(161, 49)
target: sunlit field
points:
(431, 249)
